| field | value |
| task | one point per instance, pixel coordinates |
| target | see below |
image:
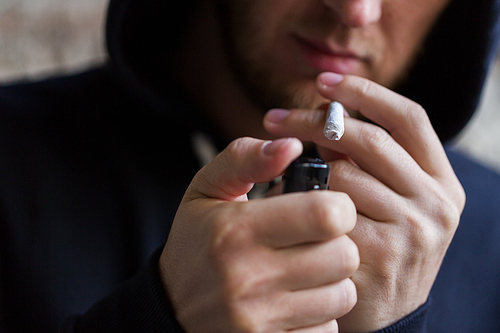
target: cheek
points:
(254, 30)
(403, 32)
(263, 54)
(397, 59)
(406, 28)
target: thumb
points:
(243, 163)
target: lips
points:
(324, 58)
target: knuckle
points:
(245, 283)
(445, 210)
(365, 87)
(341, 170)
(241, 318)
(416, 236)
(421, 238)
(227, 235)
(416, 117)
(243, 312)
(419, 113)
(460, 198)
(376, 139)
(332, 326)
(425, 234)
(242, 270)
(339, 298)
(313, 119)
(449, 215)
(326, 213)
(349, 296)
(343, 173)
(350, 256)
(237, 148)
(228, 250)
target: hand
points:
(407, 196)
(279, 264)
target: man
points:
(95, 167)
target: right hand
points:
(280, 264)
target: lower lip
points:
(326, 61)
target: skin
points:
(232, 265)
(384, 36)
(357, 258)
(406, 194)
(247, 50)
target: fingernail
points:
(328, 80)
(273, 147)
(277, 115)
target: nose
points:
(356, 13)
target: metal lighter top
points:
(306, 174)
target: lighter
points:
(306, 174)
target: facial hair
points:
(262, 86)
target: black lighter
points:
(306, 174)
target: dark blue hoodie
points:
(93, 167)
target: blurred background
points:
(42, 37)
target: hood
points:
(140, 34)
(446, 80)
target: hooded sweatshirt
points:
(93, 167)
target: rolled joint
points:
(334, 126)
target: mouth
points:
(325, 58)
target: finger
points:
(328, 327)
(306, 122)
(244, 162)
(317, 306)
(298, 218)
(314, 265)
(369, 146)
(406, 120)
(377, 153)
(370, 196)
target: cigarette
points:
(334, 126)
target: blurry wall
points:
(481, 138)
(41, 37)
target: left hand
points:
(408, 198)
